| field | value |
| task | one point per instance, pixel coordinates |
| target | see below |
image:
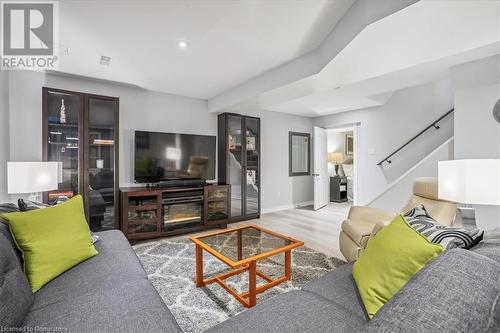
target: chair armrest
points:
(374, 215)
(379, 226)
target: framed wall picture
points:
(349, 144)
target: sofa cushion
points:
(389, 261)
(294, 311)
(490, 245)
(15, 293)
(4, 226)
(107, 293)
(52, 240)
(123, 306)
(442, 211)
(116, 261)
(459, 291)
(339, 287)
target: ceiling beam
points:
(359, 15)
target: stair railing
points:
(433, 125)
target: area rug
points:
(170, 265)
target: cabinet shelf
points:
(69, 125)
(64, 125)
(143, 221)
(218, 200)
(142, 207)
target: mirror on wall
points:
(299, 154)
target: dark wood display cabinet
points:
(157, 212)
(81, 132)
(239, 163)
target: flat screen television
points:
(167, 156)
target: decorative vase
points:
(62, 118)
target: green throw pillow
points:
(391, 258)
(52, 240)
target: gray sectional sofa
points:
(457, 292)
(107, 293)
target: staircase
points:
(395, 194)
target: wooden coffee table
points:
(240, 248)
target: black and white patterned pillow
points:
(448, 237)
(94, 237)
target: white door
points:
(320, 170)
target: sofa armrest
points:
(379, 226)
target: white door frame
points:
(356, 130)
(320, 168)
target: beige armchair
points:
(364, 222)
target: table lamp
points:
(31, 177)
(473, 182)
(335, 157)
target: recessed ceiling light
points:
(182, 44)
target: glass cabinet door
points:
(63, 142)
(236, 166)
(217, 197)
(252, 166)
(101, 163)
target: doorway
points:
(342, 160)
(335, 157)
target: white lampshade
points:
(32, 177)
(475, 182)
(335, 157)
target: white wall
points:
(146, 110)
(397, 195)
(334, 141)
(139, 110)
(279, 190)
(4, 134)
(477, 134)
(383, 129)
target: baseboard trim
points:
(285, 207)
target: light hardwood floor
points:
(319, 230)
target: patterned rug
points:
(170, 266)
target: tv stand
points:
(151, 212)
(177, 183)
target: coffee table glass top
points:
(254, 242)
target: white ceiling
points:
(230, 41)
(413, 46)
